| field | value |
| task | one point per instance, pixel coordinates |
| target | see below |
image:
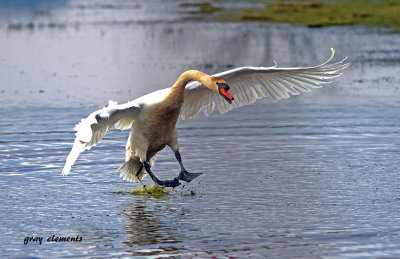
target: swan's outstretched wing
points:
(247, 84)
(92, 129)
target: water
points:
(312, 176)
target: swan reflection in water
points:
(148, 226)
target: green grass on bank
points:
(384, 13)
(314, 13)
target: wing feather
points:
(288, 89)
(92, 129)
(251, 83)
(274, 83)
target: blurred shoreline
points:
(320, 13)
(60, 14)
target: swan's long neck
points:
(190, 75)
(178, 89)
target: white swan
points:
(152, 117)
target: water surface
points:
(312, 176)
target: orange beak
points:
(224, 91)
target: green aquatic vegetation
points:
(147, 190)
(383, 13)
(156, 191)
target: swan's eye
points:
(223, 86)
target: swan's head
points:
(221, 87)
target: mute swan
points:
(152, 117)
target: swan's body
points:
(152, 118)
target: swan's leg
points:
(140, 180)
(138, 172)
(185, 175)
(167, 183)
(142, 154)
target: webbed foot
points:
(188, 177)
(168, 183)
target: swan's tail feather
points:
(129, 171)
(133, 170)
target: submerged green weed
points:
(147, 190)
